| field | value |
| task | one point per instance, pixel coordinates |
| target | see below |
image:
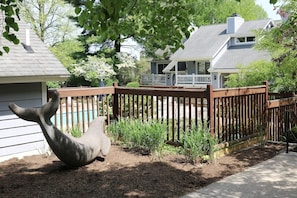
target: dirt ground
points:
(122, 174)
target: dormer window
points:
(240, 40)
(250, 39)
(245, 40)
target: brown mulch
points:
(122, 174)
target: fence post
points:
(210, 110)
(266, 110)
(287, 118)
(115, 102)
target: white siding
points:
(17, 135)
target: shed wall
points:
(18, 136)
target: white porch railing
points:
(153, 79)
(180, 80)
(194, 79)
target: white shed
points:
(23, 75)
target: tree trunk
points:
(117, 44)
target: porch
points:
(189, 80)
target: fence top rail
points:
(282, 102)
(218, 93)
(175, 92)
(82, 91)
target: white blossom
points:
(127, 61)
(94, 68)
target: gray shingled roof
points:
(203, 44)
(238, 55)
(206, 42)
(19, 65)
(246, 29)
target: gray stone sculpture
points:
(72, 151)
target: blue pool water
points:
(79, 114)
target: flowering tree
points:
(126, 68)
(93, 70)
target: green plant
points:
(147, 136)
(133, 84)
(76, 131)
(198, 143)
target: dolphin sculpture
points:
(72, 151)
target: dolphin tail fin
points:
(29, 114)
(34, 114)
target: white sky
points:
(269, 9)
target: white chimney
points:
(28, 36)
(233, 23)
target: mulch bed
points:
(122, 174)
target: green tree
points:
(68, 52)
(254, 74)
(153, 23)
(8, 12)
(49, 19)
(281, 42)
(214, 12)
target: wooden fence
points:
(232, 114)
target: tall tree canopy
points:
(49, 19)
(153, 23)
(214, 11)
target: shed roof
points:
(34, 64)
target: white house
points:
(214, 51)
(23, 75)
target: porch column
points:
(219, 80)
(176, 70)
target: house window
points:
(182, 66)
(160, 67)
(250, 39)
(240, 40)
(203, 67)
(245, 40)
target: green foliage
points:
(148, 136)
(254, 74)
(143, 66)
(49, 19)
(67, 52)
(214, 11)
(198, 144)
(281, 42)
(76, 131)
(133, 84)
(146, 21)
(10, 10)
(53, 84)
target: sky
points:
(269, 9)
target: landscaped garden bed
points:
(123, 173)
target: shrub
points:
(198, 144)
(148, 136)
(133, 84)
(76, 131)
